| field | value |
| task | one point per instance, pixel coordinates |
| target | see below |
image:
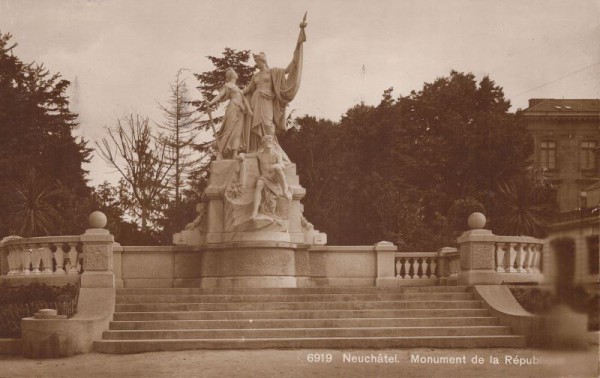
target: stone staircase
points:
(148, 320)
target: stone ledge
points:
(256, 244)
(48, 279)
(51, 338)
(11, 346)
(502, 304)
(350, 248)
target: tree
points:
(523, 205)
(466, 141)
(106, 198)
(144, 165)
(34, 214)
(464, 137)
(36, 137)
(178, 137)
(312, 146)
(355, 191)
(210, 82)
(393, 171)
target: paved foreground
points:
(315, 363)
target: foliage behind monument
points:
(43, 189)
(393, 171)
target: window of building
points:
(593, 254)
(588, 155)
(548, 155)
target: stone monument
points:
(250, 227)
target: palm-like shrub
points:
(35, 214)
(523, 206)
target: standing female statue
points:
(229, 139)
(268, 93)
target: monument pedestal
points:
(241, 251)
(250, 264)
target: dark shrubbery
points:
(534, 299)
(539, 301)
(24, 301)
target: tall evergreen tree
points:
(210, 82)
(179, 135)
(37, 147)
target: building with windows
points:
(566, 135)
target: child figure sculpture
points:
(272, 176)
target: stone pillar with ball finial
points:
(477, 246)
(97, 254)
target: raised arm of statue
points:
(298, 51)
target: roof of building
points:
(563, 105)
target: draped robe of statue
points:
(268, 97)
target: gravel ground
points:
(315, 363)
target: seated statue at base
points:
(272, 182)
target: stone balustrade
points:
(518, 254)
(488, 259)
(453, 263)
(416, 265)
(427, 268)
(54, 255)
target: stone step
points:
(303, 323)
(306, 333)
(260, 298)
(139, 346)
(297, 314)
(273, 306)
(157, 319)
(299, 290)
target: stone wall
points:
(180, 266)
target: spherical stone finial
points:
(97, 219)
(476, 221)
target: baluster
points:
(424, 266)
(59, 257)
(398, 267)
(432, 266)
(529, 253)
(406, 268)
(36, 259)
(415, 266)
(500, 254)
(14, 260)
(521, 253)
(537, 256)
(73, 255)
(79, 258)
(46, 256)
(455, 264)
(8, 259)
(512, 256)
(26, 259)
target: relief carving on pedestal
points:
(97, 258)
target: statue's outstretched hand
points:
(241, 156)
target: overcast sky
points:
(124, 54)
